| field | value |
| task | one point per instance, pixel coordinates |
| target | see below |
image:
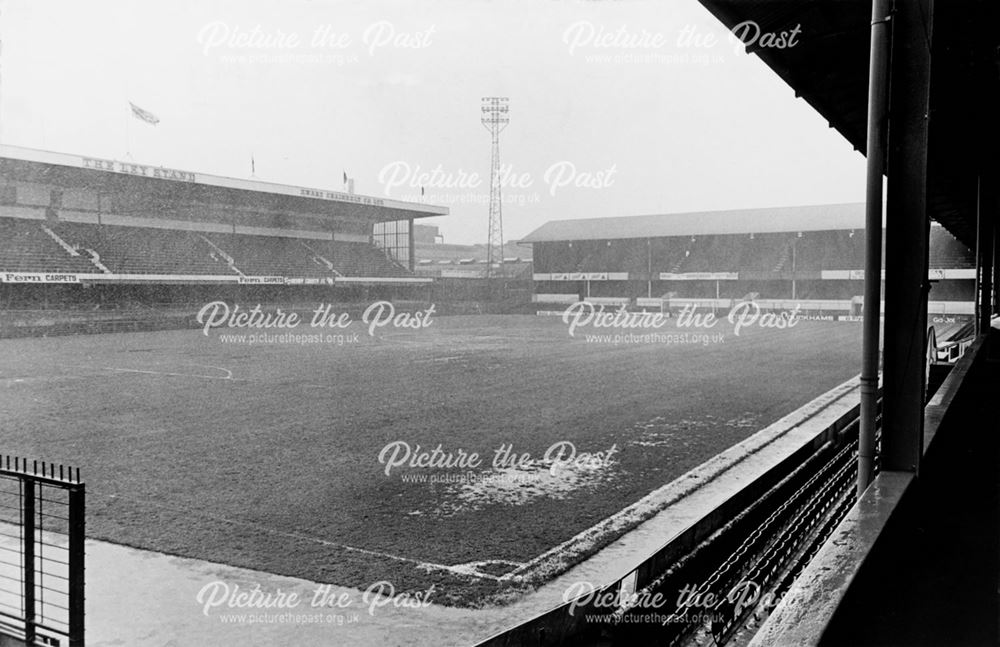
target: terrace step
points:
(62, 243)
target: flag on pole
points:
(144, 115)
(345, 178)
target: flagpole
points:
(1, 96)
(128, 133)
(128, 117)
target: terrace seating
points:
(785, 259)
(358, 259)
(716, 254)
(552, 257)
(142, 250)
(845, 251)
(810, 250)
(946, 252)
(635, 257)
(26, 247)
(765, 252)
(682, 259)
(270, 255)
(667, 252)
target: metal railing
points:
(763, 537)
(42, 531)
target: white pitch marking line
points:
(439, 359)
(204, 377)
(44, 378)
(473, 568)
(229, 374)
(455, 570)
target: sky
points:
(617, 107)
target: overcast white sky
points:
(396, 85)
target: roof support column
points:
(996, 259)
(907, 234)
(986, 215)
(411, 242)
(878, 96)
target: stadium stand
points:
(781, 254)
(71, 219)
(813, 251)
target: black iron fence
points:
(41, 552)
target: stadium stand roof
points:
(737, 221)
(828, 68)
(113, 175)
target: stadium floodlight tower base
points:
(495, 117)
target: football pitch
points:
(348, 459)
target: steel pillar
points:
(985, 216)
(907, 234)
(878, 83)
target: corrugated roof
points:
(738, 221)
(828, 68)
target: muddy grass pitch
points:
(348, 460)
